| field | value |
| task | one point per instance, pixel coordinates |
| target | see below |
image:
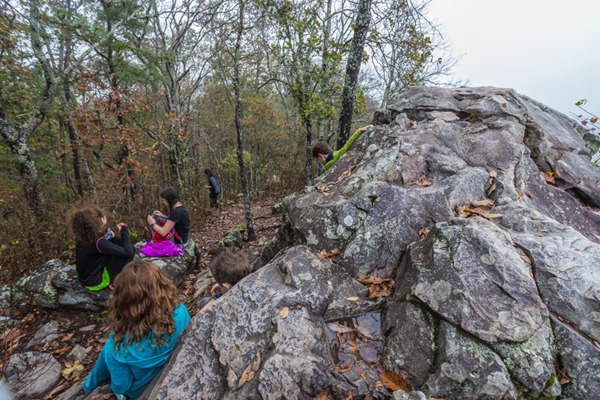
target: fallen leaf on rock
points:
(422, 181)
(527, 259)
(493, 174)
(346, 366)
(250, 370)
(344, 175)
(259, 283)
(393, 381)
(352, 298)
(423, 232)
(335, 327)
(378, 287)
(71, 368)
(62, 350)
(331, 254)
(284, 313)
(491, 189)
(549, 177)
(28, 318)
(324, 395)
(483, 203)
(491, 216)
(563, 378)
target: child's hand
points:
(215, 289)
(119, 226)
(158, 213)
(150, 220)
(366, 128)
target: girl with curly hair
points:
(99, 257)
(145, 319)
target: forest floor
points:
(87, 331)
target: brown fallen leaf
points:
(423, 232)
(393, 381)
(491, 189)
(259, 283)
(284, 313)
(345, 366)
(324, 395)
(336, 327)
(331, 254)
(491, 216)
(563, 378)
(422, 181)
(352, 298)
(549, 177)
(493, 174)
(250, 370)
(483, 203)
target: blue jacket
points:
(133, 366)
(214, 187)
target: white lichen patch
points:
(311, 239)
(348, 220)
(435, 293)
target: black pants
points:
(213, 200)
(115, 264)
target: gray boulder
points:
(31, 374)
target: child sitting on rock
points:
(99, 257)
(228, 268)
(326, 156)
(145, 319)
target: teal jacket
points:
(338, 153)
(132, 367)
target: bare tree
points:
(17, 135)
(363, 20)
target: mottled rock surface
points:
(31, 374)
(481, 204)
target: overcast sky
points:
(546, 49)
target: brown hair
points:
(86, 223)
(142, 303)
(170, 195)
(230, 266)
(209, 174)
(320, 148)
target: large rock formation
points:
(479, 203)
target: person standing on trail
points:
(326, 156)
(213, 187)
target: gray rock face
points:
(449, 195)
(55, 285)
(30, 375)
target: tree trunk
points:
(17, 136)
(363, 20)
(238, 126)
